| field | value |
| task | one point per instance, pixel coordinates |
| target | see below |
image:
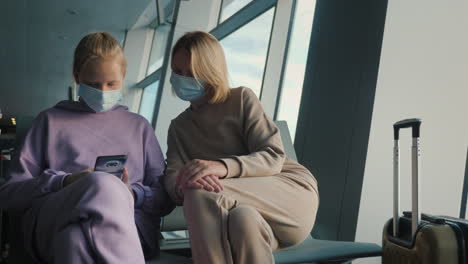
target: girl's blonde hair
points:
(207, 62)
(100, 45)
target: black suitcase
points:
(458, 225)
(415, 237)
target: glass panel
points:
(424, 76)
(246, 51)
(148, 101)
(230, 7)
(158, 48)
(295, 65)
(168, 5)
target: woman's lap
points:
(289, 208)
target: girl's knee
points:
(105, 189)
(104, 182)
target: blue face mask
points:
(99, 101)
(187, 88)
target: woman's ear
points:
(209, 90)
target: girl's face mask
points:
(99, 101)
(101, 83)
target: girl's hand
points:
(75, 176)
(125, 179)
(197, 169)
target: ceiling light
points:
(72, 12)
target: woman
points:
(70, 213)
(242, 197)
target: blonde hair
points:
(207, 62)
(99, 45)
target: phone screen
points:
(111, 164)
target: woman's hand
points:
(196, 169)
(210, 183)
(75, 176)
(125, 179)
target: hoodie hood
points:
(81, 106)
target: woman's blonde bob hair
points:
(207, 63)
(101, 45)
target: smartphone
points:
(111, 164)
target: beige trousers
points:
(250, 219)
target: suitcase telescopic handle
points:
(415, 124)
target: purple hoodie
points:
(68, 137)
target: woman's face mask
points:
(187, 88)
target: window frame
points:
(241, 18)
(157, 74)
(238, 11)
(285, 59)
(143, 93)
(269, 42)
(248, 13)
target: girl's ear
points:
(76, 77)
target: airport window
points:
(148, 101)
(230, 7)
(158, 48)
(293, 78)
(246, 52)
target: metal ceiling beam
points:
(242, 17)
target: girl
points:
(242, 197)
(70, 213)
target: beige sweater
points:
(236, 132)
